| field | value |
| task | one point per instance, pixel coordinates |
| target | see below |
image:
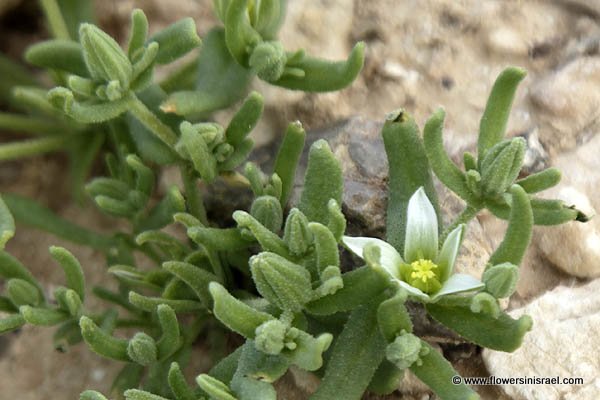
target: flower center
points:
(422, 269)
(423, 275)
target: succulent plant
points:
(271, 274)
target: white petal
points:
(449, 251)
(414, 291)
(458, 283)
(390, 259)
(421, 229)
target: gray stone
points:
(563, 343)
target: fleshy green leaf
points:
(10, 268)
(287, 158)
(136, 394)
(360, 285)
(408, 171)
(176, 40)
(215, 388)
(285, 284)
(239, 33)
(10, 323)
(519, 231)
(323, 181)
(147, 303)
(101, 342)
(138, 32)
(58, 54)
(245, 119)
(22, 293)
(43, 316)
(443, 167)
(540, 181)
(268, 240)
(502, 333)
(221, 81)
(437, 373)
(197, 278)
(228, 239)
(235, 314)
(393, 317)
(178, 384)
(359, 344)
(72, 269)
(494, 119)
(170, 341)
(316, 75)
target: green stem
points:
(151, 121)
(465, 216)
(192, 195)
(56, 22)
(19, 123)
(31, 147)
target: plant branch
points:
(192, 196)
(56, 22)
(152, 122)
(31, 147)
(464, 217)
(19, 123)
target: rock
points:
(590, 6)
(562, 343)
(575, 247)
(567, 103)
(506, 41)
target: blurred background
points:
(420, 55)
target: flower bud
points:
(270, 337)
(296, 234)
(501, 280)
(223, 151)
(501, 166)
(105, 60)
(142, 349)
(214, 387)
(267, 210)
(268, 61)
(404, 350)
(281, 282)
(485, 303)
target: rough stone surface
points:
(562, 343)
(567, 103)
(575, 247)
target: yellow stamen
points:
(423, 270)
